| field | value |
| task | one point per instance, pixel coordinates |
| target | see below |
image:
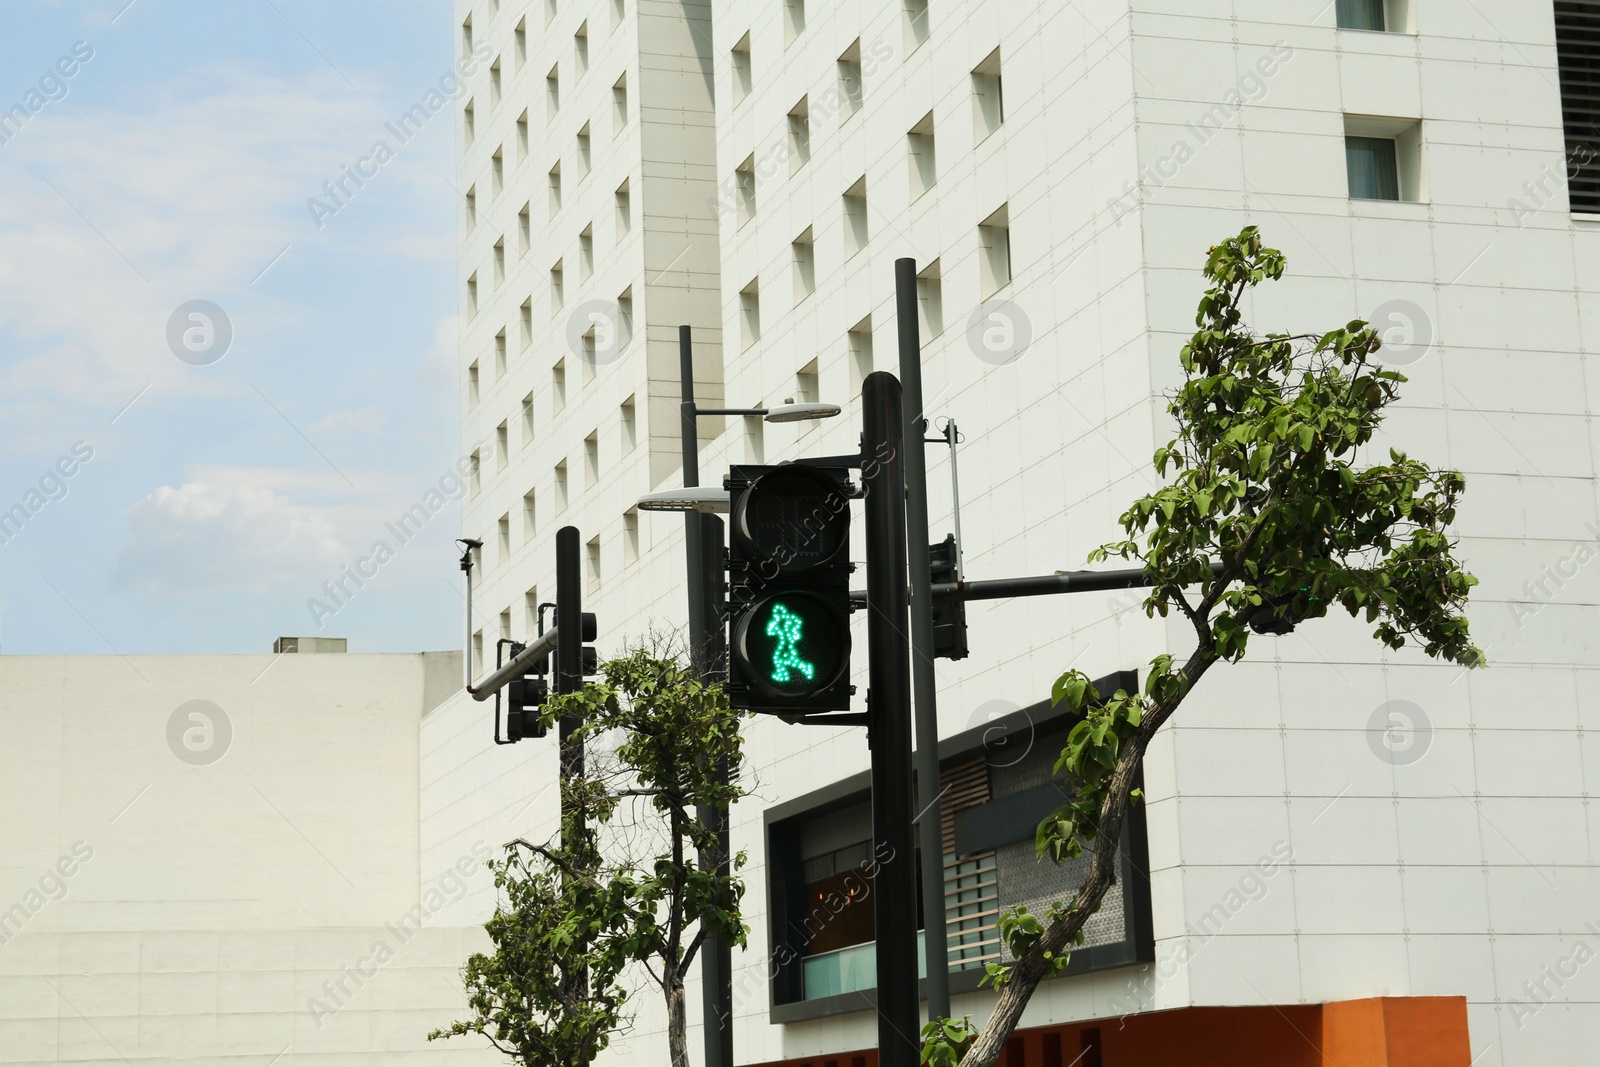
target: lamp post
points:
(703, 544)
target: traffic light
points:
(524, 696)
(789, 588)
(589, 659)
(949, 616)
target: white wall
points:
(208, 902)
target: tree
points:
(1265, 522)
(650, 893)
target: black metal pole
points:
(930, 828)
(716, 967)
(569, 663)
(889, 728)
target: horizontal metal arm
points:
(730, 411)
(542, 646)
(1037, 585)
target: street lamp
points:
(703, 539)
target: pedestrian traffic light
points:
(789, 588)
(949, 616)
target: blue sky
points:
(175, 164)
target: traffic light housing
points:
(949, 616)
(525, 698)
(789, 588)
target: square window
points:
(1383, 159)
(1372, 169)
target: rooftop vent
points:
(309, 644)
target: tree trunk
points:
(1030, 968)
(677, 1026)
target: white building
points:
(754, 170)
(214, 859)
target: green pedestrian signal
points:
(789, 589)
(786, 626)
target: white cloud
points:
(115, 215)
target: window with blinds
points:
(1578, 55)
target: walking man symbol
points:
(786, 661)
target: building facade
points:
(214, 859)
(1333, 832)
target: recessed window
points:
(988, 100)
(586, 253)
(521, 36)
(527, 420)
(744, 177)
(472, 385)
(619, 9)
(472, 297)
(522, 136)
(499, 355)
(502, 444)
(630, 536)
(552, 90)
(527, 322)
(805, 265)
(558, 287)
(930, 301)
(1383, 159)
(1373, 173)
(850, 91)
(530, 515)
(499, 262)
(807, 391)
(624, 210)
(994, 252)
(619, 103)
(561, 486)
(558, 385)
(524, 230)
(472, 208)
(1393, 16)
(466, 37)
(741, 68)
(475, 473)
(497, 172)
(469, 123)
(916, 23)
(794, 20)
(584, 158)
(591, 458)
(593, 552)
(503, 532)
(629, 428)
(859, 341)
(580, 51)
(530, 610)
(750, 312)
(555, 189)
(755, 439)
(549, 11)
(494, 82)
(919, 147)
(624, 316)
(855, 217)
(799, 134)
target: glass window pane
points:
(1360, 15)
(1370, 163)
